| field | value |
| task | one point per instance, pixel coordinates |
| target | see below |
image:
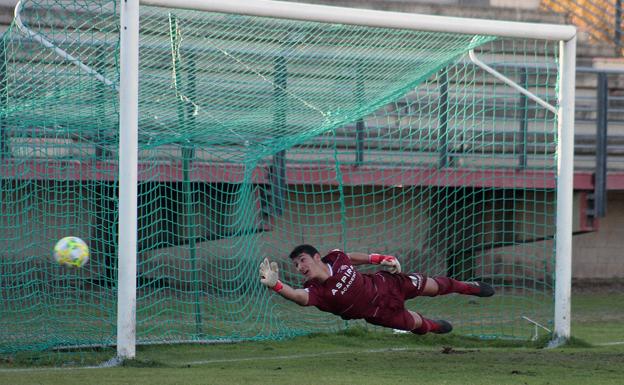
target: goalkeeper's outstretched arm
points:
(359, 258)
(298, 296)
(269, 276)
(376, 259)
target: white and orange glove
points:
(386, 260)
(269, 275)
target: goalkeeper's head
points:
(308, 262)
(304, 249)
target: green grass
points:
(364, 357)
(598, 318)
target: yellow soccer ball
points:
(71, 251)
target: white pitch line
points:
(265, 358)
(610, 343)
(207, 362)
(18, 370)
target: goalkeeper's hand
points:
(393, 265)
(269, 273)
(386, 260)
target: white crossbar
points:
(373, 18)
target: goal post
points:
(370, 18)
(128, 177)
(565, 186)
(188, 147)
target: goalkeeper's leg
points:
(425, 325)
(445, 285)
(409, 321)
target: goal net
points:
(257, 134)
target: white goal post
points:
(128, 94)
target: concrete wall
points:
(509, 234)
(498, 235)
(600, 254)
(461, 232)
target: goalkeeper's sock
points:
(477, 288)
(431, 326)
(448, 285)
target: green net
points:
(256, 135)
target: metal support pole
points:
(359, 142)
(600, 177)
(524, 120)
(359, 125)
(278, 169)
(618, 27)
(278, 182)
(188, 154)
(186, 117)
(4, 140)
(443, 118)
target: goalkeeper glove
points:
(268, 275)
(387, 260)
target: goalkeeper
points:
(334, 285)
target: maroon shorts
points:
(393, 290)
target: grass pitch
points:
(357, 356)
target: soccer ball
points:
(71, 251)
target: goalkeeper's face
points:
(310, 266)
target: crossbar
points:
(374, 18)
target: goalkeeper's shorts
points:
(401, 319)
(392, 291)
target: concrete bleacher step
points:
(586, 83)
(6, 17)
(453, 8)
(480, 10)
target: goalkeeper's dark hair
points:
(308, 249)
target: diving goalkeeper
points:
(334, 285)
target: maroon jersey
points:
(346, 292)
(351, 294)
